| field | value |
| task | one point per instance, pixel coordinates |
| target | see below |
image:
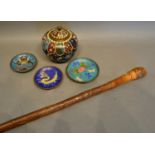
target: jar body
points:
(59, 44)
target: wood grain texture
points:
(134, 74)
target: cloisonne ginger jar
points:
(59, 44)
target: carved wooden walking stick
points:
(134, 74)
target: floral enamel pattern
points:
(59, 44)
(23, 62)
(82, 70)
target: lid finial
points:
(59, 27)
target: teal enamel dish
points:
(23, 62)
(82, 70)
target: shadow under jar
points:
(59, 44)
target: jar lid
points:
(48, 77)
(82, 70)
(23, 62)
(59, 34)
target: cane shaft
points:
(132, 75)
